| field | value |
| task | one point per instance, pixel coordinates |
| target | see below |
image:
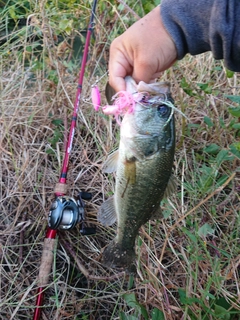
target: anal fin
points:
(107, 214)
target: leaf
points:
(236, 126)
(124, 316)
(220, 250)
(65, 24)
(221, 180)
(130, 282)
(186, 300)
(205, 87)
(57, 122)
(144, 312)
(49, 151)
(186, 87)
(132, 302)
(12, 13)
(148, 7)
(235, 111)
(222, 313)
(221, 301)
(222, 156)
(213, 148)
(202, 86)
(221, 122)
(190, 235)
(208, 122)
(57, 135)
(233, 98)
(229, 73)
(205, 230)
(235, 149)
(157, 314)
(120, 7)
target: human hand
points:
(142, 51)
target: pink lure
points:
(96, 97)
(123, 103)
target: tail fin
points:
(116, 257)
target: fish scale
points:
(143, 166)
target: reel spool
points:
(66, 212)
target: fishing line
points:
(171, 105)
(166, 102)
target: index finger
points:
(119, 65)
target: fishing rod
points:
(65, 211)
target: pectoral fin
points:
(110, 165)
(107, 214)
(171, 187)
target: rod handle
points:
(46, 261)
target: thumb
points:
(144, 72)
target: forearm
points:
(205, 25)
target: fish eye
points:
(162, 109)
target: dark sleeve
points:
(197, 26)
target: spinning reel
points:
(66, 212)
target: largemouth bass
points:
(143, 166)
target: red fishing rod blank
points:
(73, 209)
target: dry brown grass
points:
(171, 253)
